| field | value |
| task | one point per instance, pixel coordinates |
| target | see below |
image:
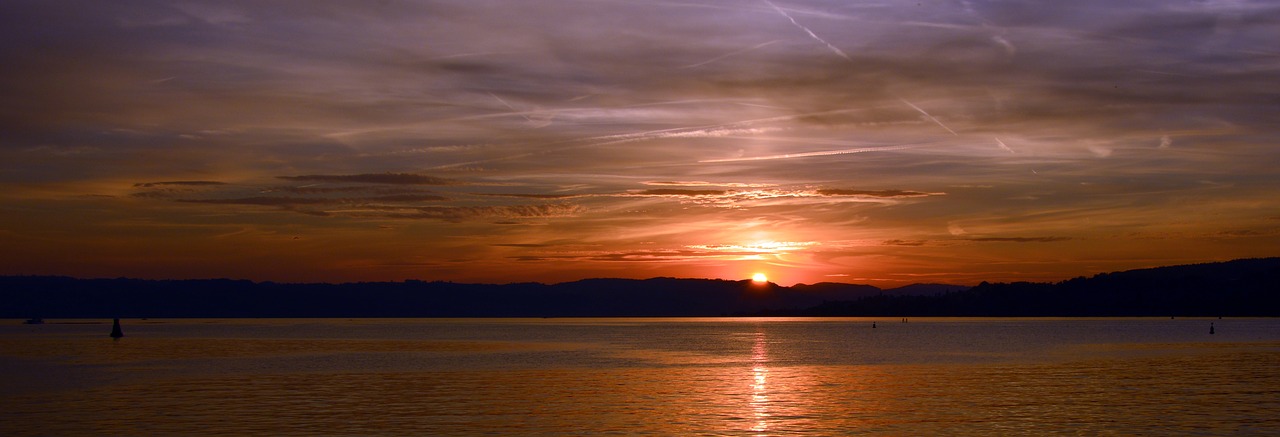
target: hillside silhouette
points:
(1249, 287)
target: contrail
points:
(1009, 48)
(1002, 146)
(834, 49)
(513, 108)
(810, 154)
(717, 58)
(926, 114)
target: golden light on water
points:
(759, 387)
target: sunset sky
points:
(870, 142)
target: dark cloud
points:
(533, 196)
(399, 198)
(904, 242)
(320, 189)
(268, 201)
(376, 178)
(178, 183)
(1250, 232)
(465, 213)
(651, 255)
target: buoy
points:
(1210, 328)
(873, 325)
(116, 332)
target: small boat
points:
(34, 321)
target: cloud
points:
(1019, 239)
(177, 183)
(709, 184)
(400, 198)
(261, 200)
(282, 201)
(1249, 232)
(465, 213)
(808, 154)
(678, 192)
(738, 117)
(215, 14)
(376, 178)
(757, 247)
(170, 189)
(534, 195)
(873, 193)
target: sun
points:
(759, 278)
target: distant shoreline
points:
(1240, 288)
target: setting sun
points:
(759, 278)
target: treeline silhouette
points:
(1248, 287)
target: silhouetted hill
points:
(63, 297)
(1242, 287)
(924, 289)
(1247, 287)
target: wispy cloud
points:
(709, 184)
(691, 123)
(463, 213)
(376, 178)
(1019, 239)
(535, 195)
(873, 193)
(811, 154)
(677, 192)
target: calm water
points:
(643, 376)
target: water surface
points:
(719, 376)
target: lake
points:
(642, 376)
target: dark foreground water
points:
(730, 376)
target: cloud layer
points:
(497, 140)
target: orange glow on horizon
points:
(759, 278)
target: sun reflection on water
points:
(760, 387)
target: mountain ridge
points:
(1238, 287)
